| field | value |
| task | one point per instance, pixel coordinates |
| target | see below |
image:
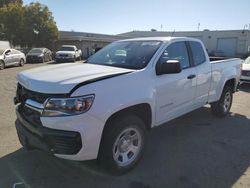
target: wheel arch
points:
(1, 60)
(142, 110)
(231, 83)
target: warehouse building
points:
(87, 42)
(227, 43)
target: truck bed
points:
(220, 69)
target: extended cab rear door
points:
(175, 92)
(201, 62)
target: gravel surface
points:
(196, 150)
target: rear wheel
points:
(21, 62)
(2, 65)
(122, 144)
(222, 107)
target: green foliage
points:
(11, 19)
(28, 26)
(6, 2)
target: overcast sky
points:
(116, 16)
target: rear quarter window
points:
(198, 53)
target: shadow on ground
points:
(196, 150)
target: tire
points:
(21, 62)
(2, 65)
(222, 107)
(122, 144)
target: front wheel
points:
(122, 144)
(2, 65)
(74, 59)
(222, 107)
(21, 62)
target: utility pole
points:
(199, 26)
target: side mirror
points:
(168, 67)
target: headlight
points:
(41, 55)
(68, 106)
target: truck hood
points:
(245, 66)
(56, 79)
(65, 52)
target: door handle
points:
(191, 76)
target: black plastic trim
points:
(190, 54)
(95, 80)
(47, 139)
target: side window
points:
(198, 53)
(14, 52)
(176, 51)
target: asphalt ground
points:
(195, 150)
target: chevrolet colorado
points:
(103, 108)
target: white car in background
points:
(245, 73)
(9, 57)
(68, 53)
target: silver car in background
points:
(245, 72)
(9, 57)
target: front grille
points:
(30, 115)
(63, 55)
(245, 73)
(23, 94)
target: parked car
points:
(9, 57)
(40, 55)
(103, 108)
(24, 50)
(245, 73)
(68, 53)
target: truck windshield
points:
(67, 48)
(126, 54)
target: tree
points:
(6, 2)
(39, 26)
(28, 26)
(11, 19)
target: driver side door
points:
(175, 93)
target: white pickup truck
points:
(103, 108)
(68, 53)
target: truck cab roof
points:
(162, 39)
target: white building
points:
(230, 42)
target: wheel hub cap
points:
(227, 101)
(127, 146)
